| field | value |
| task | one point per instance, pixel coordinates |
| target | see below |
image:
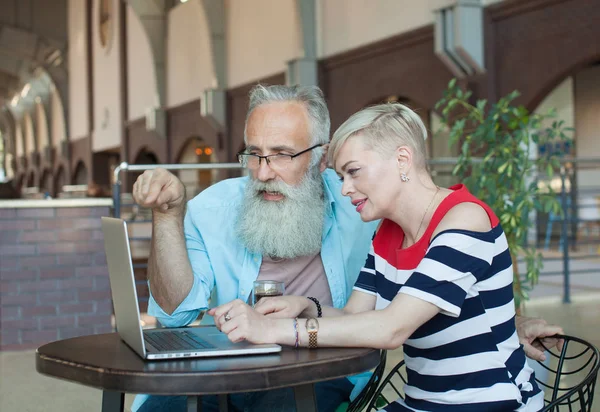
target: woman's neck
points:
(415, 207)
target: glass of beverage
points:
(266, 289)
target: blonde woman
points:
(437, 280)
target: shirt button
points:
(242, 292)
(256, 259)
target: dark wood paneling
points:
(184, 122)
(539, 43)
(138, 138)
(237, 106)
(403, 65)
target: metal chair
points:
(569, 387)
(364, 397)
(572, 376)
(394, 381)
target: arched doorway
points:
(21, 182)
(80, 176)
(575, 101)
(197, 151)
(144, 157)
(59, 181)
(46, 184)
(31, 179)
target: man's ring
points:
(227, 317)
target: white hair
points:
(384, 128)
(310, 96)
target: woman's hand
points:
(283, 307)
(240, 322)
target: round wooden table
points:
(107, 363)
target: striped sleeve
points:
(366, 278)
(451, 266)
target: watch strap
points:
(312, 335)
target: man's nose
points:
(264, 172)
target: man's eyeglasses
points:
(278, 161)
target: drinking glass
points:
(266, 288)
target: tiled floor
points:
(23, 389)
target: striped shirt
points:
(467, 357)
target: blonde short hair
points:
(384, 128)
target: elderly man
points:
(287, 221)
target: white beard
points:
(288, 228)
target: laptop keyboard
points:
(176, 340)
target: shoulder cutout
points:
(465, 216)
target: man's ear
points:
(323, 163)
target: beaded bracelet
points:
(319, 312)
(297, 344)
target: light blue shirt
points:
(224, 269)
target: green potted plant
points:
(497, 162)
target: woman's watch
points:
(312, 327)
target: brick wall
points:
(53, 275)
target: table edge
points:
(135, 382)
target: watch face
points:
(312, 325)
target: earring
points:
(404, 177)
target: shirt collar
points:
(328, 195)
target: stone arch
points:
(29, 134)
(531, 52)
(60, 180)
(144, 156)
(31, 178)
(43, 130)
(46, 183)
(153, 16)
(80, 175)
(58, 120)
(21, 181)
(539, 93)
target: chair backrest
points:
(365, 396)
(391, 388)
(572, 375)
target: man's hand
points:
(533, 332)
(161, 191)
(283, 306)
(241, 322)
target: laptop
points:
(163, 343)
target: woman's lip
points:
(360, 205)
